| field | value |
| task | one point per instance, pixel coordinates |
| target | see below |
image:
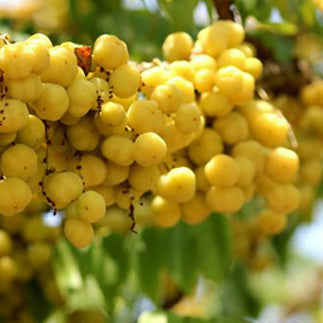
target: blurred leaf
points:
(236, 295)
(214, 246)
(263, 10)
(169, 317)
(114, 246)
(180, 256)
(287, 8)
(285, 28)
(76, 283)
(173, 318)
(109, 264)
(150, 261)
(38, 304)
(281, 47)
(260, 9)
(281, 242)
(307, 12)
(245, 7)
(66, 269)
(179, 12)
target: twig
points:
(224, 9)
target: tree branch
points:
(224, 9)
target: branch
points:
(281, 78)
(224, 9)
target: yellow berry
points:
(283, 198)
(124, 81)
(214, 39)
(178, 185)
(205, 147)
(82, 95)
(26, 89)
(91, 169)
(52, 103)
(78, 233)
(118, 149)
(271, 222)
(112, 114)
(63, 188)
(17, 60)
(233, 128)
(90, 206)
(247, 171)
(195, 210)
(15, 195)
(149, 149)
(19, 161)
(62, 67)
(116, 174)
(33, 133)
(168, 97)
(144, 116)
(83, 136)
(204, 80)
(222, 171)
(14, 116)
(226, 200)
(202, 61)
(183, 69)
(233, 57)
(143, 178)
(187, 118)
(229, 80)
(110, 52)
(282, 165)
(166, 213)
(215, 104)
(252, 150)
(177, 46)
(253, 66)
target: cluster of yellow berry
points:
(305, 114)
(188, 131)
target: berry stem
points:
(224, 9)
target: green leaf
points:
(285, 28)
(288, 9)
(245, 7)
(179, 12)
(38, 304)
(260, 9)
(236, 295)
(280, 242)
(114, 246)
(180, 256)
(281, 47)
(214, 246)
(66, 269)
(109, 267)
(150, 261)
(173, 318)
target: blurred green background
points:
(182, 274)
